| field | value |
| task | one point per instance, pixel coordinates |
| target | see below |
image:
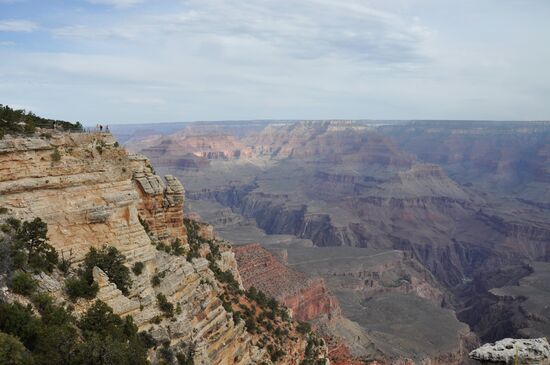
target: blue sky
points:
(141, 61)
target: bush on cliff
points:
(13, 352)
(78, 287)
(164, 305)
(23, 283)
(30, 248)
(24, 248)
(108, 336)
(108, 259)
(56, 337)
(111, 261)
(137, 269)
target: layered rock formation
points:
(495, 155)
(334, 141)
(183, 150)
(92, 193)
(441, 193)
(307, 298)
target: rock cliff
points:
(92, 193)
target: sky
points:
(147, 61)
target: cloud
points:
(17, 26)
(239, 59)
(308, 30)
(117, 3)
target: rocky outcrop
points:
(161, 205)
(92, 193)
(510, 351)
(307, 298)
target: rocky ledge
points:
(514, 351)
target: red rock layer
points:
(307, 298)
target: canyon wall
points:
(307, 298)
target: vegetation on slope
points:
(46, 333)
(265, 319)
(20, 121)
(43, 332)
(24, 249)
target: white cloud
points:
(308, 30)
(17, 25)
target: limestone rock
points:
(527, 351)
(110, 294)
(99, 214)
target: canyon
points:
(408, 224)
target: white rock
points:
(527, 351)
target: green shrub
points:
(177, 248)
(147, 340)
(111, 261)
(12, 351)
(23, 283)
(155, 280)
(304, 328)
(108, 336)
(4, 210)
(78, 287)
(108, 259)
(166, 353)
(164, 305)
(64, 265)
(100, 337)
(32, 247)
(19, 121)
(137, 269)
(145, 225)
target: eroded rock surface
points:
(510, 351)
(307, 298)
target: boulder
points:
(527, 351)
